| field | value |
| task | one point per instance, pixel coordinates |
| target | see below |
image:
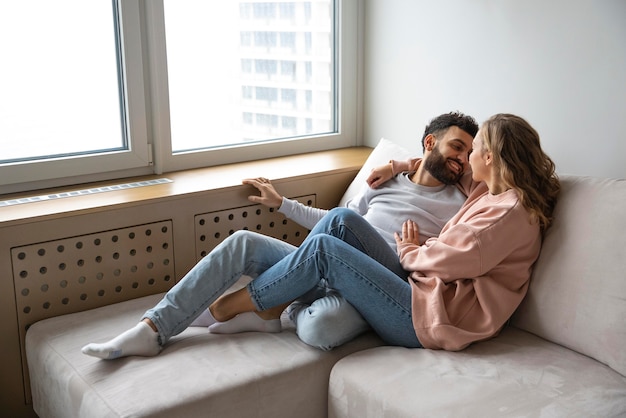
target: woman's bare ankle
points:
(228, 306)
(217, 313)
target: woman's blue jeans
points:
(363, 269)
(343, 252)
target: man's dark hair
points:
(442, 123)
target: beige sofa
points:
(562, 355)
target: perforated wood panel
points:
(74, 274)
(213, 227)
(121, 264)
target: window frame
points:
(136, 160)
(147, 119)
(346, 106)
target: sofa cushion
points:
(514, 375)
(197, 374)
(577, 295)
(384, 151)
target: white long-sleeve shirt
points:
(388, 206)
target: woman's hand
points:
(410, 234)
(269, 196)
(380, 175)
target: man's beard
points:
(436, 165)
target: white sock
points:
(141, 340)
(245, 322)
(204, 320)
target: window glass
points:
(235, 69)
(59, 80)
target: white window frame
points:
(38, 174)
(346, 56)
(148, 123)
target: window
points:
(288, 40)
(109, 89)
(63, 82)
(246, 38)
(246, 66)
(36, 104)
(266, 68)
(288, 69)
(287, 10)
(289, 97)
(247, 92)
(264, 39)
(289, 124)
(267, 94)
(264, 10)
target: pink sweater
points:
(468, 282)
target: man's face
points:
(448, 158)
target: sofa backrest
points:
(577, 294)
(384, 151)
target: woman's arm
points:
(476, 242)
(383, 173)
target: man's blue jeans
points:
(252, 254)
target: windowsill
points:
(184, 183)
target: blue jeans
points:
(344, 253)
(243, 253)
(326, 320)
(323, 318)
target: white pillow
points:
(382, 153)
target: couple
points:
(439, 292)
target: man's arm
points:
(269, 196)
(302, 214)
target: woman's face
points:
(478, 159)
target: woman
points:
(462, 287)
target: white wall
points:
(561, 64)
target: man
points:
(430, 194)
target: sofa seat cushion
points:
(196, 374)
(514, 375)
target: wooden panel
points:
(213, 227)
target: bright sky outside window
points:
(59, 79)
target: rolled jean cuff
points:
(255, 300)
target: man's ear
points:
(429, 142)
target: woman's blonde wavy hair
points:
(523, 165)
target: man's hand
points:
(269, 196)
(380, 175)
(410, 234)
